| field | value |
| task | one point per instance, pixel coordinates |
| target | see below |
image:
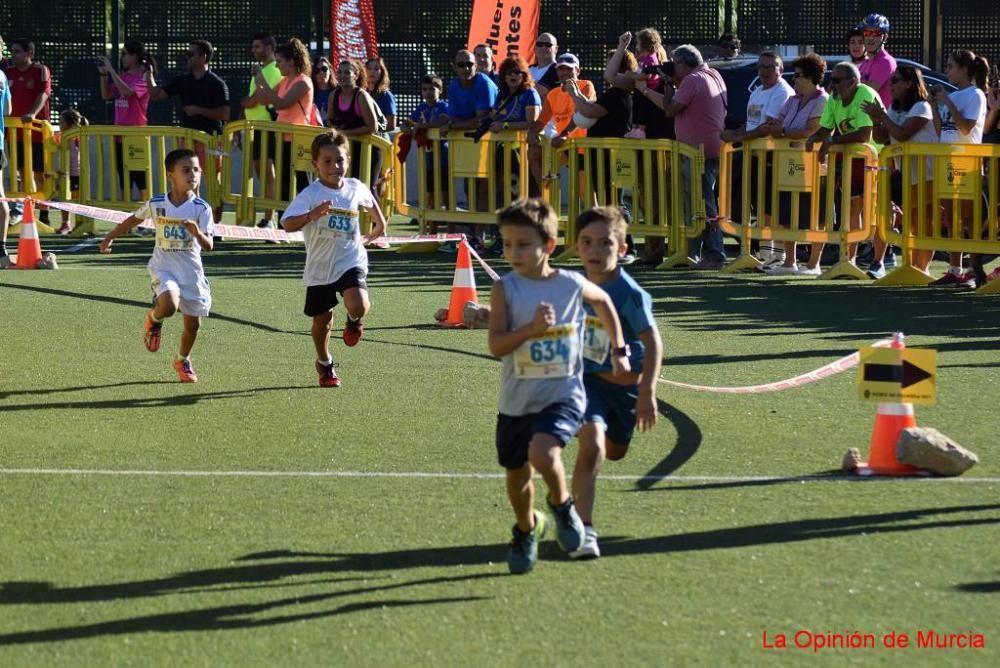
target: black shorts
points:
(259, 138)
(321, 299)
(74, 183)
(514, 432)
(37, 158)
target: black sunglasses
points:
(465, 64)
(836, 80)
(323, 68)
(544, 44)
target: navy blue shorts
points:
(514, 432)
(612, 406)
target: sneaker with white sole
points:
(876, 271)
(590, 549)
(782, 270)
(809, 271)
(523, 552)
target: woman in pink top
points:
(130, 91)
(293, 98)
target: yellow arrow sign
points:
(906, 375)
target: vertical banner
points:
(352, 30)
(508, 26)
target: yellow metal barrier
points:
(602, 170)
(112, 157)
(494, 172)
(19, 148)
(255, 148)
(779, 169)
(952, 203)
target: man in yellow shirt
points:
(556, 119)
(254, 109)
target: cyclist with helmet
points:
(877, 69)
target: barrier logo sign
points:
(624, 168)
(796, 171)
(957, 176)
(906, 375)
(135, 152)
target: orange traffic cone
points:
(890, 420)
(463, 287)
(29, 248)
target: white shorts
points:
(195, 298)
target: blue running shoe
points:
(570, 532)
(876, 271)
(524, 546)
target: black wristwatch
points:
(624, 351)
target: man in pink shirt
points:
(698, 108)
(877, 69)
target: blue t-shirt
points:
(464, 103)
(635, 310)
(386, 101)
(424, 113)
(512, 108)
(4, 97)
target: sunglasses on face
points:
(872, 33)
(323, 69)
(465, 64)
(544, 45)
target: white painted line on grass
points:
(458, 475)
(93, 241)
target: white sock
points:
(327, 362)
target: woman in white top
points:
(959, 118)
(908, 119)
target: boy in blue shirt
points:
(536, 328)
(616, 404)
(431, 113)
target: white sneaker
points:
(806, 271)
(782, 270)
(589, 548)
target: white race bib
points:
(551, 354)
(171, 234)
(596, 342)
(339, 225)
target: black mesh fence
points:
(420, 37)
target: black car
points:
(740, 75)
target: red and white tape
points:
(831, 369)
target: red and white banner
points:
(508, 26)
(352, 31)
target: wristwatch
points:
(624, 351)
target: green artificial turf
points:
(724, 523)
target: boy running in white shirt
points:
(184, 227)
(328, 213)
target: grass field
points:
(257, 519)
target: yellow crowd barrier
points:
(493, 172)
(271, 162)
(788, 195)
(602, 171)
(25, 175)
(121, 166)
(950, 201)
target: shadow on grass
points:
(249, 615)
(152, 402)
(132, 302)
(980, 587)
(688, 441)
(801, 530)
(84, 388)
(443, 349)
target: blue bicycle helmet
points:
(876, 21)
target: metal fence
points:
(419, 37)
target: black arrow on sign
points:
(906, 374)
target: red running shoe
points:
(185, 372)
(151, 334)
(353, 331)
(327, 376)
(949, 280)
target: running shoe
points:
(185, 372)
(523, 552)
(327, 376)
(151, 334)
(353, 331)
(590, 549)
(569, 526)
